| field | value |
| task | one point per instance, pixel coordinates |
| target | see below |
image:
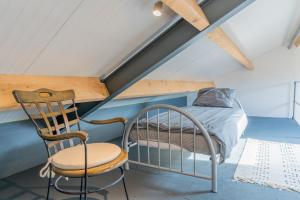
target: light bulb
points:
(157, 9)
(156, 13)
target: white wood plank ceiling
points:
(89, 37)
(258, 29)
(72, 37)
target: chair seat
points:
(97, 154)
(119, 161)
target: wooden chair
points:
(55, 117)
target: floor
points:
(147, 184)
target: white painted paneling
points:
(88, 38)
(260, 31)
(98, 36)
(26, 28)
(203, 60)
(262, 26)
(257, 29)
(72, 37)
(297, 102)
(40, 37)
(268, 90)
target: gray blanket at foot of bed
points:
(225, 124)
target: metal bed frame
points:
(196, 124)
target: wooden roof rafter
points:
(191, 12)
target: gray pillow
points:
(215, 97)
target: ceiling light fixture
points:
(157, 9)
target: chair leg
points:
(124, 184)
(81, 187)
(85, 187)
(49, 184)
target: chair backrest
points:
(50, 112)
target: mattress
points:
(224, 125)
(187, 141)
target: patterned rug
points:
(272, 164)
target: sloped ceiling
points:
(72, 37)
(259, 28)
(89, 37)
(203, 60)
(263, 26)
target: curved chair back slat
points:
(51, 112)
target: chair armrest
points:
(78, 134)
(107, 121)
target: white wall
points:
(268, 90)
(297, 105)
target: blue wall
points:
(21, 148)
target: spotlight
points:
(157, 9)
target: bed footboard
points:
(168, 109)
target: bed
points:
(212, 131)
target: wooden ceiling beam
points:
(219, 37)
(86, 88)
(144, 88)
(297, 41)
(90, 89)
(192, 13)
